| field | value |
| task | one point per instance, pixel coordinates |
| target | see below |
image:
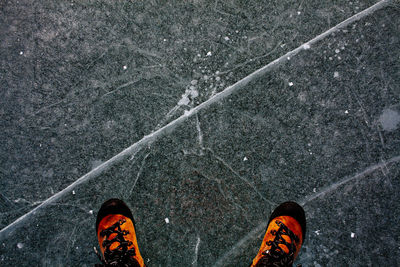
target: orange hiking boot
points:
(283, 238)
(115, 229)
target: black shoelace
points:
(276, 256)
(120, 256)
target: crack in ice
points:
(259, 228)
(134, 148)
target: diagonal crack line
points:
(335, 185)
(6, 231)
(240, 177)
(139, 173)
(257, 230)
(235, 250)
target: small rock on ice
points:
(166, 220)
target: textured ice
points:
(202, 116)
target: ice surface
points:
(91, 101)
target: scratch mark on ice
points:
(196, 252)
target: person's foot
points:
(284, 236)
(115, 229)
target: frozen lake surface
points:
(203, 116)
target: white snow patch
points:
(226, 38)
(306, 46)
(184, 100)
(290, 84)
(314, 190)
(166, 220)
(194, 93)
(298, 12)
(245, 159)
(389, 120)
(125, 67)
(91, 212)
(20, 245)
(352, 235)
(337, 51)
(73, 192)
(209, 54)
(317, 232)
(336, 74)
(288, 58)
(21, 53)
(346, 112)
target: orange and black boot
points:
(115, 229)
(283, 238)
